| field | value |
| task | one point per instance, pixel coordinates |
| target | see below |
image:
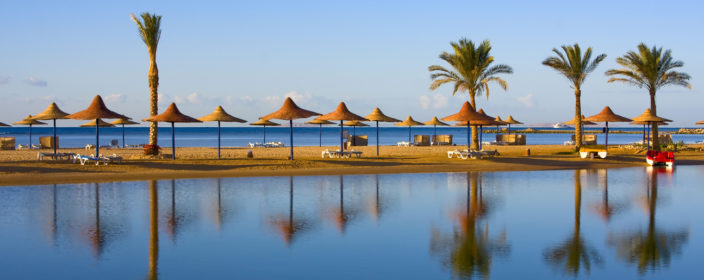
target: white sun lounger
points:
(338, 154)
(87, 159)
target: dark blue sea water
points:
(303, 136)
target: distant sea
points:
(71, 137)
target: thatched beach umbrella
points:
(700, 122)
(354, 125)
(172, 115)
(644, 126)
(607, 116)
(378, 116)
(99, 121)
(488, 121)
(123, 122)
(290, 111)
(409, 122)
(264, 123)
(341, 114)
(466, 114)
(435, 122)
(51, 113)
(30, 122)
(96, 110)
(584, 122)
(510, 120)
(649, 118)
(219, 115)
(499, 122)
(320, 124)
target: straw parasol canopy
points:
(30, 122)
(584, 121)
(510, 120)
(341, 114)
(219, 115)
(468, 115)
(700, 122)
(378, 116)
(355, 123)
(649, 117)
(607, 116)
(52, 113)
(290, 111)
(409, 122)
(499, 121)
(123, 122)
(435, 121)
(320, 124)
(264, 123)
(172, 115)
(645, 123)
(3, 124)
(96, 110)
(100, 122)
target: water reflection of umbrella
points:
(606, 116)
(605, 209)
(264, 123)
(123, 122)
(342, 216)
(649, 118)
(173, 220)
(320, 124)
(172, 115)
(435, 122)
(96, 110)
(96, 235)
(153, 231)
(52, 113)
(653, 248)
(290, 227)
(574, 253)
(466, 114)
(354, 125)
(341, 114)
(219, 115)
(409, 122)
(376, 207)
(29, 122)
(290, 111)
(378, 116)
(510, 120)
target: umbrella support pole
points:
(218, 139)
(290, 125)
(648, 138)
(377, 138)
(481, 136)
(342, 146)
(320, 132)
(54, 140)
(124, 145)
(30, 136)
(97, 138)
(409, 134)
(173, 141)
(469, 139)
(435, 131)
(606, 141)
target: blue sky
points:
(247, 56)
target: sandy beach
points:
(22, 167)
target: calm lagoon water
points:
(620, 224)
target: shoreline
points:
(198, 163)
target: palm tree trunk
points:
(578, 117)
(656, 135)
(153, 97)
(475, 131)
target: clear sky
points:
(248, 55)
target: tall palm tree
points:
(652, 69)
(575, 67)
(472, 71)
(150, 31)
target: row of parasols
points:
(467, 116)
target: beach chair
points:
(22, 147)
(89, 147)
(87, 159)
(114, 158)
(331, 154)
(404, 144)
(351, 153)
(464, 154)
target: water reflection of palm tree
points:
(290, 227)
(653, 248)
(574, 253)
(153, 231)
(468, 251)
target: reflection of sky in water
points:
(413, 226)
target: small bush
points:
(151, 150)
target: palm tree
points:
(652, 69)
(575, 68)
(473, 71)
(150, 32)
